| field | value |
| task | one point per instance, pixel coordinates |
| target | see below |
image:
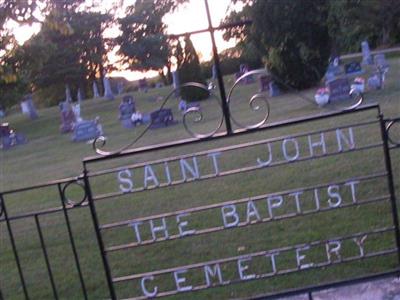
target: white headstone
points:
(175, 81)
(367, 58)
(79, 95)
(68, 96)
(108, 94)
(95, 90)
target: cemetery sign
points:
(193, 199)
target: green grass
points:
(50, 155)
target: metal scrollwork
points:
(389, 130)
(256, 98)
(70, 202)
(100, 142)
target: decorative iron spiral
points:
(70, 202)
(252, 101)
(389, 129)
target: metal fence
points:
(235, 232)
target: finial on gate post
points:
(225, 107)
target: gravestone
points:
(2, 111)
(243, 70)
(120, 87)
(353, 68)
(375, 82)
(264, 81)
(126, 109)
(79, 95)
(333, 72)
(274, 89)
(9, 138)
(214, 72)
(176, 84)
(68, 118)
(366, 53)
(86, 130)
(108, 94)
(380, 62)
(162, 118)
(143, 86)
(95, 90)
(339, 89)
(28, 108)
(68, 96)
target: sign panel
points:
(243, 214)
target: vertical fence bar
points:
(390, 183)
(72, 242)
(225, 107)
(98, 235)
(46, 257)
(15, 251)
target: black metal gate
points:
(220, 218)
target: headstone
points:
(380, 61)
(79, 95)
(2, 113)
(162, 118)
(264, 82)
(68, 96)
(86, 130)
(353, 68)
(375, 82)
(182, 105)
(214, 72)
(143, 86)
(95, 90)
(120, 87)
(68, 118)
(333, 72)
(159, 85)
(339, 89)
(108, 94)
(175, 81)
(76, 108)
(367, 58)
(9, 138)
(126, 109)
(28, 108)
(274, 89)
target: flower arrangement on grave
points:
(322, 96)
(358, 85)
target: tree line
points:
(294, 39)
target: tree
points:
(143, 43)
(352, 21)
(54, 57)
(292, 36)
(189, 71)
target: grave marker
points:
(86, 130)
(353, 68)
(367, 58)
(108, 94)
(162, 118)
(96, 93)
(339, 89)
(126, 109)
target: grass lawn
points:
(50, 155)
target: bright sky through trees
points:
(189, 17)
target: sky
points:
(189, 17)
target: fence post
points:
(390, 183)
(98, 234)
(225, 106)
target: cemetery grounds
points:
(50, 155)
